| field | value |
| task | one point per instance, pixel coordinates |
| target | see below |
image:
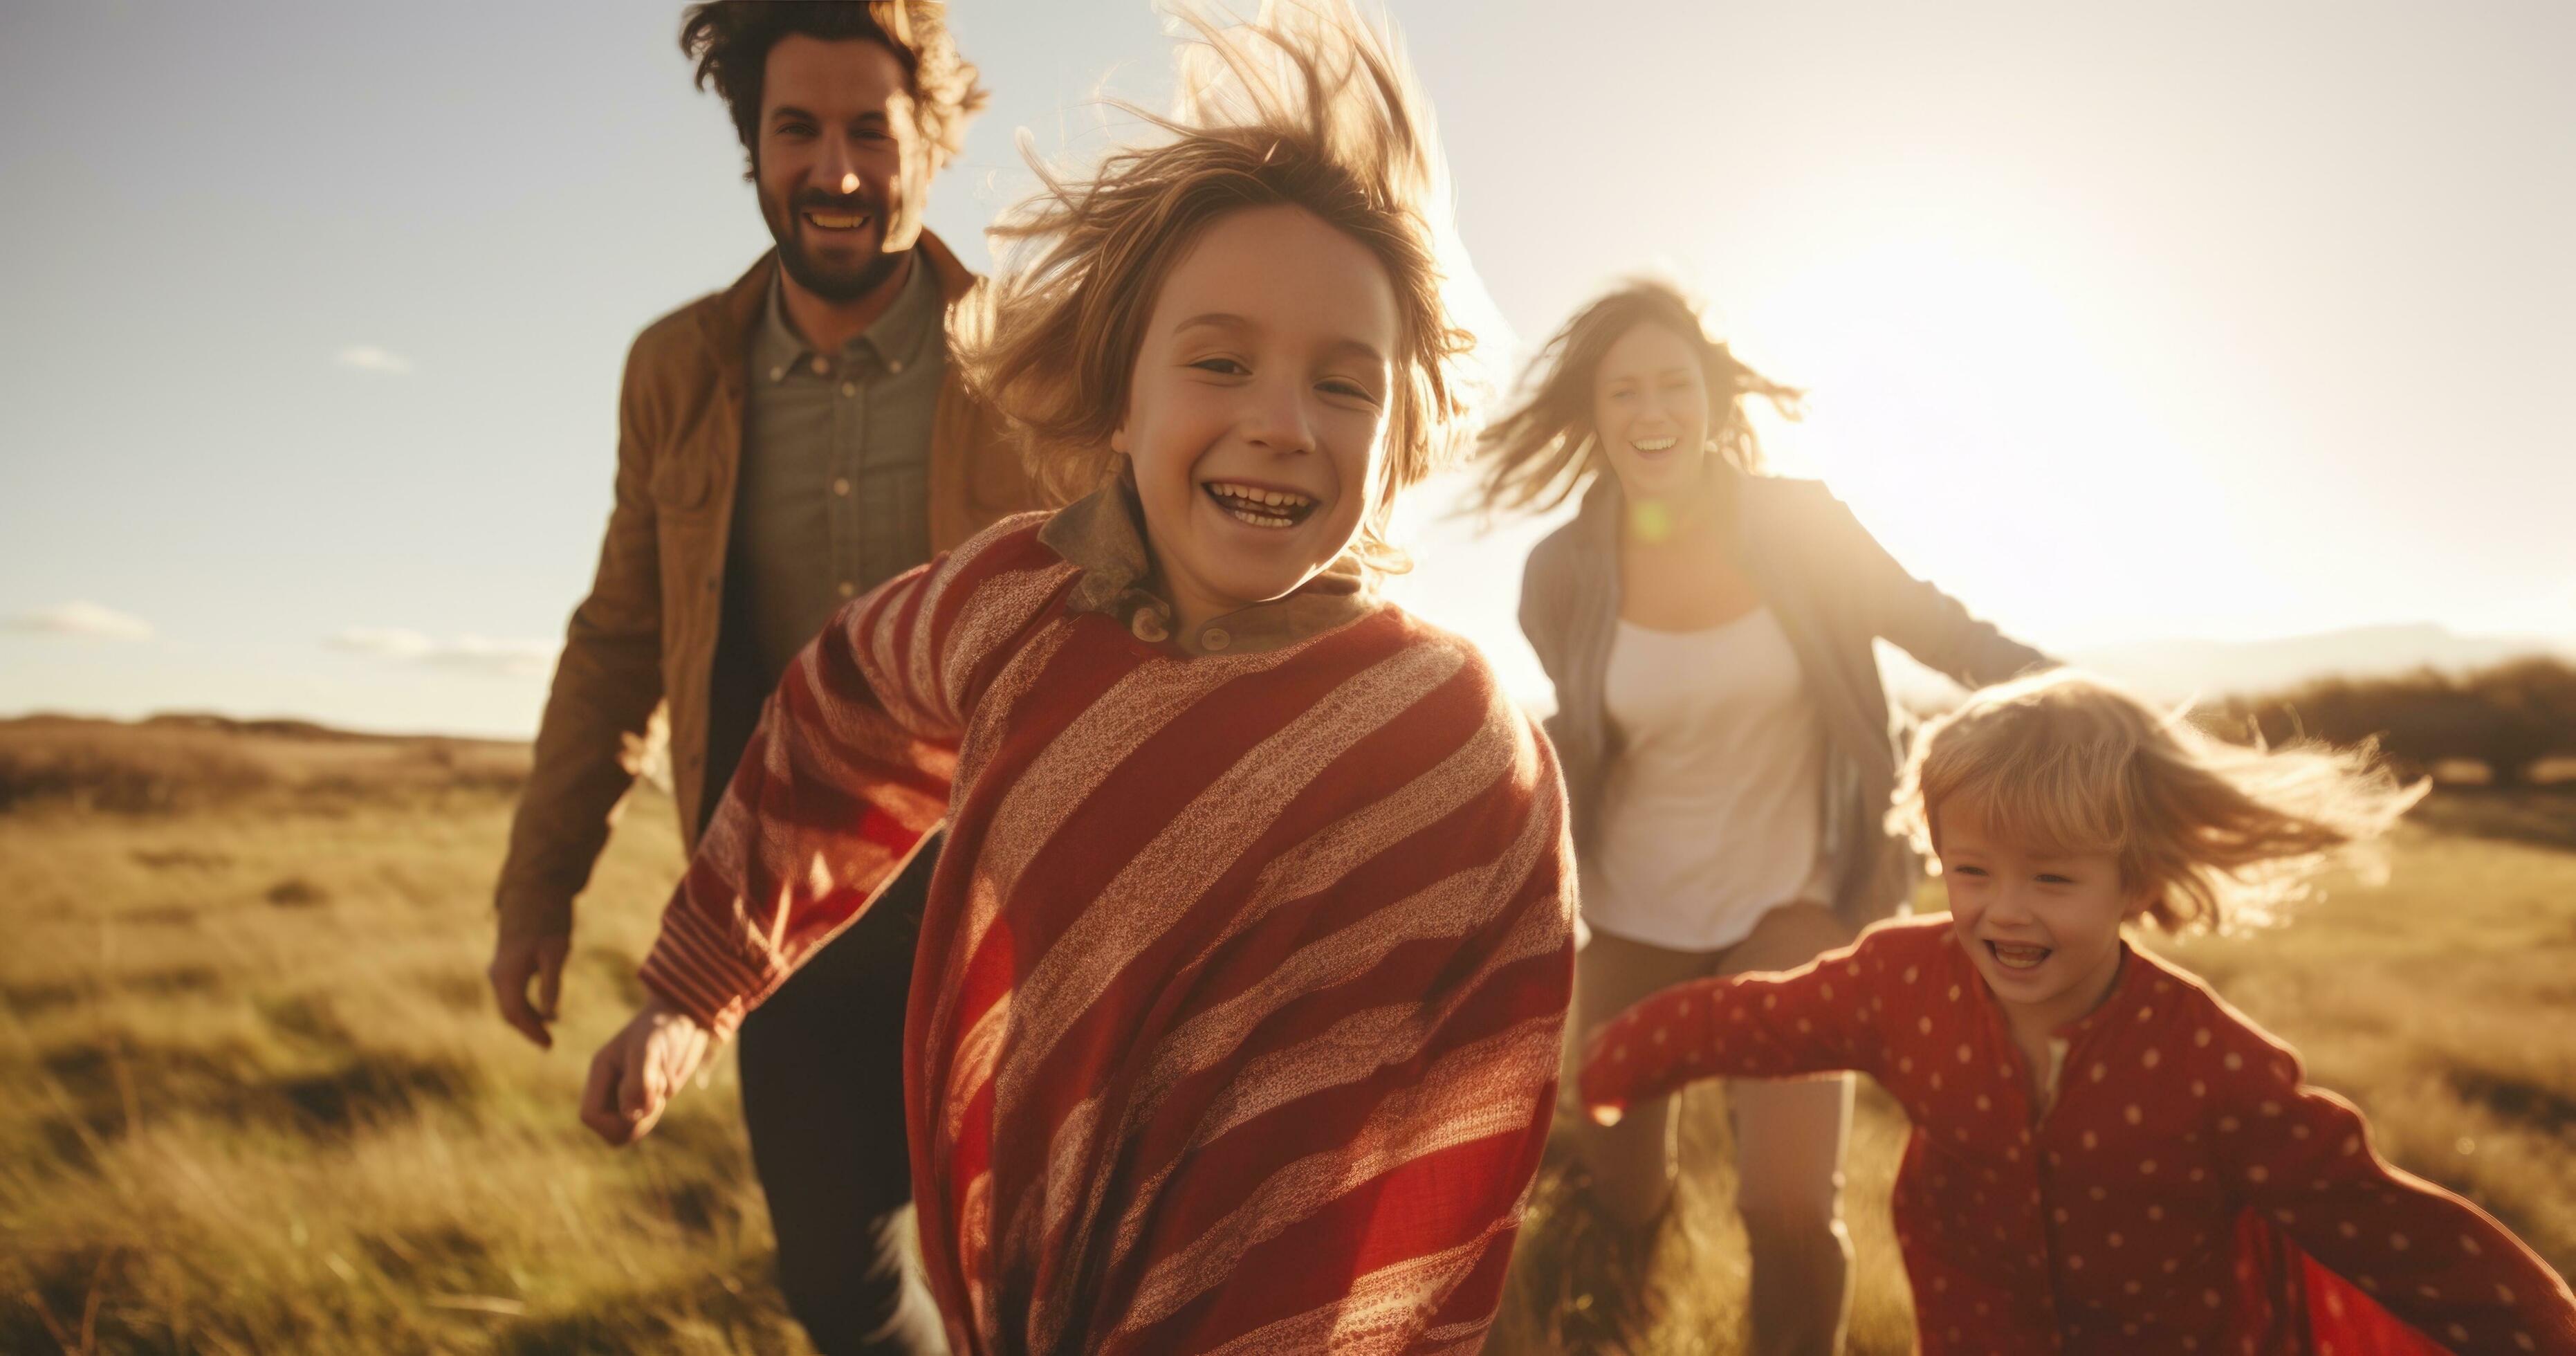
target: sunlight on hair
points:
(2226, 835)
(1308, 104)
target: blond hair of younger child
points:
(1243, 968)
(2105, 1156)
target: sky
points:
(2120, 322)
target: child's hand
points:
(634, 1075)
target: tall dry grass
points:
(253, 1097)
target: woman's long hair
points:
(1545, 449)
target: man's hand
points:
(633, 1077)
(515, 961)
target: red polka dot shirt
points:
(2185, 1190)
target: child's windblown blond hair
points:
(1305, 106)
(2219, 834)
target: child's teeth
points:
(1249, 497)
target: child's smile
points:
(1267, 507)
(2018, 957)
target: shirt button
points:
(1214, 638)
(848, 589)
(1148, 626)
(841, 487)
(821, 365)
(894, 364)
(778, 373)
(849, 388)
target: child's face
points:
(1650, 409)
(1258, 406)
(2042, 927)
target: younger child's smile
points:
(2018, 956)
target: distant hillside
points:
(174, 763)
(2177, 669)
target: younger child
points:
(1235, 1017)
(2105, 1156)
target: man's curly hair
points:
(730, 42)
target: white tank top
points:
(1713, 812)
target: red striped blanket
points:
(1235, 1020)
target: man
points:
(784, 446)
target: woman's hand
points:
(634, 1075)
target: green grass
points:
(253, 1097)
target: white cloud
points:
(384, 641)
(369, 358)
(472, 654)
(83, 619)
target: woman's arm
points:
(1923, 621)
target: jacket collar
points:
(1103, 536)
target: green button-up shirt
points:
(832, 498)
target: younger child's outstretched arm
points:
(1811, 1020)
(2302, 1157)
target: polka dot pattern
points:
(2127, 1227)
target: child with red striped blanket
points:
(1234, 1020)
(2105, 1156)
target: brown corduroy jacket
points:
(646, 635)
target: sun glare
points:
(1977, 416)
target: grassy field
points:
(253, 1097)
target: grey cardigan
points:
(1834, 590)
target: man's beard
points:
(835, 282)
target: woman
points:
(1728, 750)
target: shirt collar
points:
(895, 338)
(1103, 536)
